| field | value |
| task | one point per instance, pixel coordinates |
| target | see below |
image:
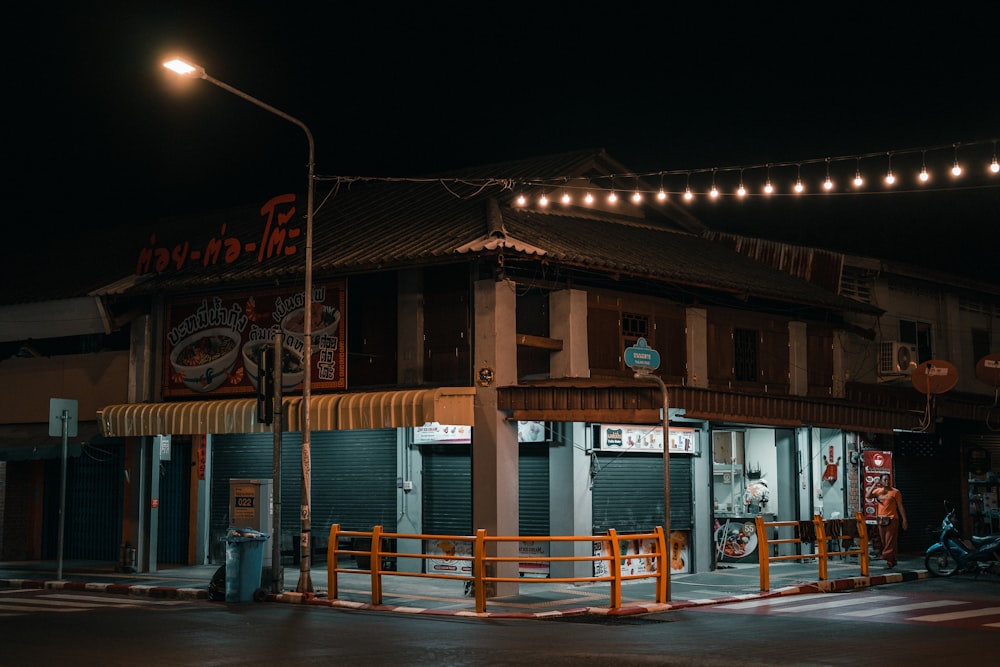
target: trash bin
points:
(244, 563)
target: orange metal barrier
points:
(483, 564)
(824, 531)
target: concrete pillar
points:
(494, 438)
(409, 503)
(697, 347)
(798, 359)
(568, 323)
(570, 497)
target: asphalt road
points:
(210, 633)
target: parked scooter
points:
(951, 553)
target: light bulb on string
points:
(924, 174)
(612, 198)
(636, 196)
(889, 177)
(741, 191)
(768, 188)
(543, 200)
(688, 195)
(995, 166)
(956, 170)
(714, 192)
(828, 183)
(798, 180)
(588, 198)
(565, 198)
(521, 200)
(858, 181)
(661, 195)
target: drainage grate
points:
(605, 619)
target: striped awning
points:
(330, 412)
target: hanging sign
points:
(211, 341)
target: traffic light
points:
(265, 384)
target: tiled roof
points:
(363, 226)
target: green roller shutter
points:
(628, 493)
(533, 480)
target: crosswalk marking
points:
(833, 604)
(62, 602)
(770, 602)
(131, 600)
(902, 607)
(955, 615)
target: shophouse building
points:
(471, 371)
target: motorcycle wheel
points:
(940, 563)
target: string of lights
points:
(927, 168)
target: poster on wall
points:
(636, 558)
(212, 340)
(449, 557)
(631, 437)
(876, 463)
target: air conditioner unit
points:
(897, 358)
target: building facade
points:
(471, 371)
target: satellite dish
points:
(934, 377)
(988, 370)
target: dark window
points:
(919, 334)
(980, 344)
(634, 327)
(745, 354)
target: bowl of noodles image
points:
(205, 359)
(324, 322)
(292, 369)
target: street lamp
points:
(305, 581)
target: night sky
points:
(105, 136)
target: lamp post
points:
(305, 581)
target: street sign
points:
(641, 357)
(58, 406)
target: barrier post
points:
(615, 569)
(821, 545)
(376, 565)
(763, 554)
(331, 561)
(662, 594)
(862, 542)
(479, 570)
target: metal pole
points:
(305, 580)
(277, 572)
(62, 492)
(666, 471)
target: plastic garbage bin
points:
(244, 564)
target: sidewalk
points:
(536, 598)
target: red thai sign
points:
(211, 341)
(876, 463)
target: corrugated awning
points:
(330, 412)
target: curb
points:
(167, 592)
(139, 590)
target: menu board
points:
(212, 341)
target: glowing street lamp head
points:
(185, 68)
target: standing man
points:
(889, 513)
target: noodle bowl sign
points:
(210, 340)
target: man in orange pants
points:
(889, 514)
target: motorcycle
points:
(951, 553)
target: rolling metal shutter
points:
(533, 482)
(94, 501)
(628, 493)
(353, 479)
(447, 485)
